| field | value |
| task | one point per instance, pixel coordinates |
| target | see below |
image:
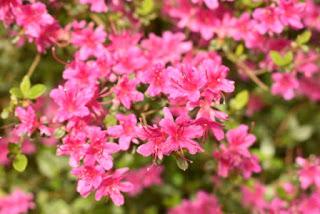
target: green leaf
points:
(59, 132)
(20, 162)
(15, 91)
(36, 91)
(304, 37)
(146, 7)
(49, 164)
(110, 120)
(182, 163)
(240, 101)
(239, 50)
(25, 85)
(280, 60)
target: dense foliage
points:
(145, 106)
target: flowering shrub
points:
(177, 106)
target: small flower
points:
(284, 84)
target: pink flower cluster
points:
(18, 202)
(36, 24)
(203, 203)
(236, 156)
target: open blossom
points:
(309, 172)
(284, 84)
(33, 18)
(29, 122)
(156, 76)
(17, 202)
(126, 92)
(291, 12)
(100, 150)
(185, 81)
(112, 185)
(212, 4)
(144, 177)
(254, 197)
(89, 178)
(167, 48)
(203, 203)
(267, 20)
(7, 10)
(236, 154)
(155, 144)
(88, 40)
(180, 133)
(81, 74)
(71, 101)
(126, 131)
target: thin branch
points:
(247, 70)
(53, 51)
(34, 65)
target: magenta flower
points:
(309, 172)
(72, 101)
(81, 74)
(156, 77)
(33, 18)
(236, 155)
(291, 12)
(180, 133)
(126, 131)
(185, 81)
(96, 5)
(89, 178)
(112, 186)
(89, 40)
(28, 120)
(284, 84)
(167, 48)
(155, 138)
(99, 151)
(267, 20)
(126, 92)
(18, 202)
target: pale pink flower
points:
(96, 5)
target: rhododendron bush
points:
(173, 106)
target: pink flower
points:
(167, 48)
(156, 77)
(268, 20)
(254, 197)
(310, 204)
(28, 120)
(96, 5)
(291, 12)
(203, 203)
(89, 178)
(81, 74)
(126, 131)
(144, 177)
(72, 101)
(180, 133)
(18, 202)
(212, 4)
(310, 87)
(309, 172)
(112, 186)
(33, 18)
(126, 92)
(7, 9)
(89, 40)
(185, 81)
(99, 150)
(236, 155)
(155, 138)
(216, 81)
(284, 85)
